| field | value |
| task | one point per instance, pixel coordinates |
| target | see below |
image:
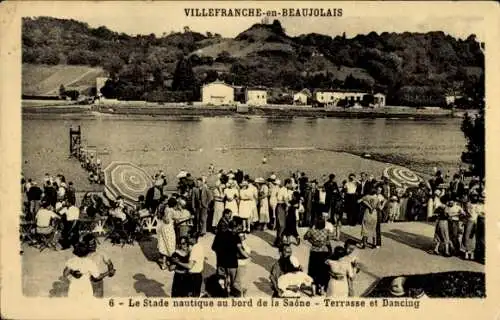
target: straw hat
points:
(260, 180)
(394, 198)
(272, 177)
(397, 286)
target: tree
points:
(62, 92)
(184, 78)
(474, 132)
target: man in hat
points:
(332, 195)
(153, 196)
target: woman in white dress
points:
(231, 196)
(218, 203)
(79, 271)
(263, 202)
(246, 205)
(273, 200)
(340, 271)
(166, 233)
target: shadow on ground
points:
(264, 285)
(265, 262)
(269, 238)
(149, 287)
(59, 288)
(410, 239)
(149, 247)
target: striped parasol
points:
(402, 176)
(127, 180)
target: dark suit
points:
(204, 202)
(151, 202)
(457, 189)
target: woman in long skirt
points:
(218, 204)
(441, 234)
(246, 205)
(263, 203)
(166, 233)
(291, 219)
(254, 218)
(340, 271)
(370, 204)
(320, 238)
(231, 195)
(473, 210)
(273, 201)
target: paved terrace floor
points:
(404, 251)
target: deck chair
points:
(149, 224)
(27, 231)
(48, 241)
(118, 233)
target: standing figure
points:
(319, 237)
(166, 233)
(281, 211)
(350, 201)
(273, 201)
(263, 203)
(340, 271)
(246, 205)
(218, 195)
(231, 195)
(370, 204)
(473, 209)
(79, 271)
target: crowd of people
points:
(231, 204)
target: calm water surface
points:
(226, 140)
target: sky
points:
(457, 19)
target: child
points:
(392, 209)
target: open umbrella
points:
(402, 176)
(127, 180)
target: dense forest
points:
(411, 68)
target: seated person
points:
(43, 217)
(296, 282)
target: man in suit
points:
(332, 195)
(196, 204)
(204, 202)
(457, 187)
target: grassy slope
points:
(45, 80)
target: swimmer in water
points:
(264, 159)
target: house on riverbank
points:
(217, 93)
(332, 97)
(302, 97)
(256, 96)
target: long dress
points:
(166, 233)
(255, 197)
(469, 238)
(370, 219)
(264, 204)
(273, 200)
(231, 194)
(340, 271)
(246, 203)
(81, 288)
(218, 206)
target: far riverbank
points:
(133, 109)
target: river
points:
(311, 145)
